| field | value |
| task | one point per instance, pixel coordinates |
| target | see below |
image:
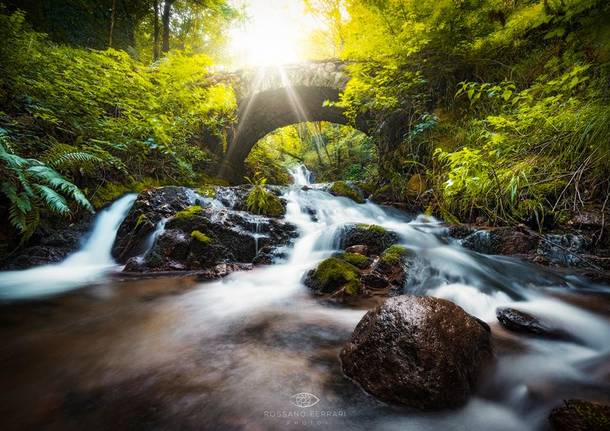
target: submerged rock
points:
(375, 238)
(579, 415)
(522, 322)
(420, 352)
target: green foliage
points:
(356, 259)
(519, 130)
(373, 228)
(32, 188)
(201, 237)
(106, 122)
(207, 191)
(394, 254)
(341, 188)
(188, 212)
(261, 201)
(338, 275)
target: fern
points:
(31, 187)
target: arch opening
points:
(332, 151)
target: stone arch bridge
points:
(273, 97)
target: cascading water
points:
(87, 265)
(232, 352)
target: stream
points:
(85, 347)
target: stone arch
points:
(271, 99)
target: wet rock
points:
(503, 240)
(50, 244)
(201, 237)
(360, 249)
(150, 208)
(333, 276)
(375, 238)
(590, 219)
(269, 255)
(563, 249)
(579, 415)
(522, 322)
(343, 189)
(420, 352)
(388, 270)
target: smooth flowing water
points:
(174, 353)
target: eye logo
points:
(304, 400)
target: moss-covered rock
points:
(577, 415)
(374, 237)
(207, 191)
(264, 202)
(341, 188)
(358, 260)
(393, 255)
(334, 275)
(201, 237)
(188, 212)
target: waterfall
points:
(87, 265)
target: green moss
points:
(112, 191)
(336, 274)
(201, 237)
(141, 219)
(341, 188)
(188, 212)
(394, 254)
(372, 228)
(263, 202)
(356, 259)
(207, 191)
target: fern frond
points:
(55, 202)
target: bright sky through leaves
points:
(273, 33)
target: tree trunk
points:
(167, 10)
(112, 18)
(156, 31)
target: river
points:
(85, 347)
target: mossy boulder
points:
(388, 271)
(358, 260)
(332, 276)
(374, 237)
(579, 415)
(341, 188)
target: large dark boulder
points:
(421, 352)
(374, 237)
(579, 415)
(200, 238)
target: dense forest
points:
(490, 108)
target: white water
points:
(519, 394)
(478, 283)
(87, 265)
